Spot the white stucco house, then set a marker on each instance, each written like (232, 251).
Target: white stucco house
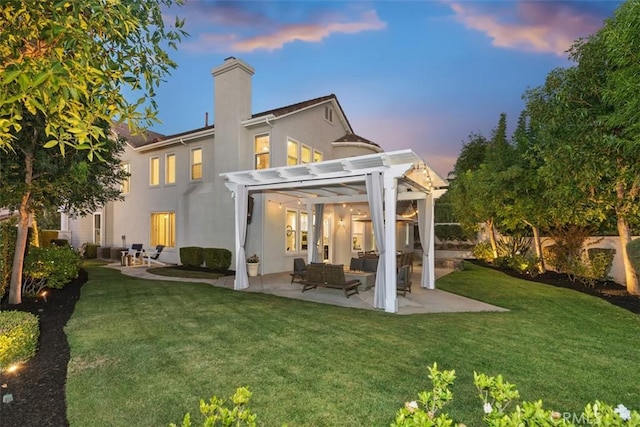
(283, 164)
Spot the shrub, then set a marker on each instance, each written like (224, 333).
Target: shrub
(8, 235)
(496, 396)
(19, 332)
(191, 256)
(217, 258)
(601, 260)
(215, 413)
(483, 251)
(52, 266)
(451, 233)
(510, 246)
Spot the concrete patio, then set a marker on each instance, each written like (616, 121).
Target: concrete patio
(420, 300)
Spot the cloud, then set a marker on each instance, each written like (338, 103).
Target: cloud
(534, 26)
(249, 26)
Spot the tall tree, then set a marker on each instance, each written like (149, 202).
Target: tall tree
(591, 143)
(63, 68)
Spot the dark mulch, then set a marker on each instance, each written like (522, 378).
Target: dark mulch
(38, 386)
(608, 290)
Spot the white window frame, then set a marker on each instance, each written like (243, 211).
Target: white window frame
(192, 164)
(291, 231)
(257, 154)
(317, 153)
(170, 241)
(296, 159)
(328, 113)
(154, 178)
(302, 148)
(125, 185)
(167, 172)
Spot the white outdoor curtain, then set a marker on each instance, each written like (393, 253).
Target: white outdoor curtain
(425, 228)
(316, 247)
(375, 194)
(241, 202)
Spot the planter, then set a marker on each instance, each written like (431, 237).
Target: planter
(252, 268)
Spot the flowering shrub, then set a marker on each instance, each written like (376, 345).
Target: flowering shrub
(52, 266)
(496, 395)
(215, 413)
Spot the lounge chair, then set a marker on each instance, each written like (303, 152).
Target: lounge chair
(135, 254)
(299, 269)
(153, 256)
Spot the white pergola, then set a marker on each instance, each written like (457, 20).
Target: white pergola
(380, 179)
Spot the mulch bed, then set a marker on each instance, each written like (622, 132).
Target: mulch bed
(38, 387)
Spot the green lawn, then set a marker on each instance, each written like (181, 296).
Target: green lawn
(144, 352)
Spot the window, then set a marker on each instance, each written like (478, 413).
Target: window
(357, 233)
(317, 156)
(305, 154)
(170, 169)
(292, 153)
(125, 185)
(261, 150)
(154, 171)
(328, 113)
(291, 228)
(97, 228)
(163, 229)
(304, 231)
(196, 163)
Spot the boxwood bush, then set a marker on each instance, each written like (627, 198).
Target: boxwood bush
(191, 256)
(52, 266)
(19, 332)
(217, 258)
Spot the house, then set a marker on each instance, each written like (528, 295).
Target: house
(178, 193)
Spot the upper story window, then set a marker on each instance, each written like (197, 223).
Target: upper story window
(125, 185)
(170, 169)
(328, 113)
(305, 154)
(292, 152)
(261, 150)
(154, 171)
(317, 156)
(196, 163)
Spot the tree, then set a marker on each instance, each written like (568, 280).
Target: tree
(590, 130)
(53, 181)
(68, 61)
(63, 68)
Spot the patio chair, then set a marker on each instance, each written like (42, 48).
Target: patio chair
(153, 256)
(403, 283)
(356, 264)
(136, 252)
(370, 265)
(299, 269)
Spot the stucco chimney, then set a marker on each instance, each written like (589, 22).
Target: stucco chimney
(232, 105)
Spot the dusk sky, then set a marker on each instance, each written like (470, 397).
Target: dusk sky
(417, 74)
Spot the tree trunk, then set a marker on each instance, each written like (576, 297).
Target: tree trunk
(538, 246)
(631, 277)
(15, 291)
(492, 238)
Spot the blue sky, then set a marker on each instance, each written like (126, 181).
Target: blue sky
(415, 74)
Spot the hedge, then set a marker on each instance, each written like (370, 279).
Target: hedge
(19, 332)
(217, 258)
(191, 256)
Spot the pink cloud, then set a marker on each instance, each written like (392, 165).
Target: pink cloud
(246, 31)
(309, 33)
(536, 26)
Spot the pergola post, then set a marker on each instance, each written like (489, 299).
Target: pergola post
(390, 260)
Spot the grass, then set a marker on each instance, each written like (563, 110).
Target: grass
(144, 352)
(184, 273)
